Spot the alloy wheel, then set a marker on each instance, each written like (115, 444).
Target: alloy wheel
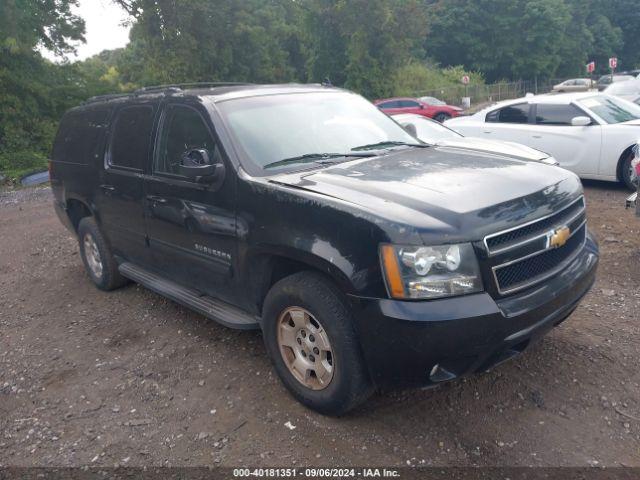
(305, 348)
(92, 254)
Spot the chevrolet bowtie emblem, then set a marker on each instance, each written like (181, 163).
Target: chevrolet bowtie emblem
(558, 237)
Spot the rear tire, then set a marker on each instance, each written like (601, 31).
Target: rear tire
(442, 117)
(305, 311)
(98, 260)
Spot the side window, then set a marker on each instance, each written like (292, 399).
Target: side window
(547, 114)
(392, 104)
(408, 104)
(512, 114)
(492, 117)
(183, 130)
(132, 137)
(81, 136)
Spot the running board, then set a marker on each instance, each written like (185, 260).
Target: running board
(221, 312)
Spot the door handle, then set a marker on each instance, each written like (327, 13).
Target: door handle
(155, 199)
(487, 131)
(108, 188)
(537, 136)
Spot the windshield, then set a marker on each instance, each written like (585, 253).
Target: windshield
(428, 131)
(299, 127)
(612, 109)
(624, 88)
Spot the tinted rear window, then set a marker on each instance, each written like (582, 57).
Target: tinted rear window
(512, 114)
(81, 136)
(132, 137)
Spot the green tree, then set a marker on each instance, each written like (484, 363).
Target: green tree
(200, 40)
(30, 99)
(501, 38)
(361, 43)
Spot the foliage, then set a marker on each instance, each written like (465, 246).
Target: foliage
(415, 78)
(361, 43)
(378, 48)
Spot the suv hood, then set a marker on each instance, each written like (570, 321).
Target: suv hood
(444, 189)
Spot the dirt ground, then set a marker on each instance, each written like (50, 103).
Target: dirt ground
(129, 378)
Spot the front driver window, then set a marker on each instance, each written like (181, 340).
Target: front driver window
(183, 131)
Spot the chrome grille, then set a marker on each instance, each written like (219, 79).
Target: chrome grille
(508, 239)
(526, 271)
(524, 256)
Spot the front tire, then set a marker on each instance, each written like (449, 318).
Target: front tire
(626, 171)
(96, 255)
(311, 340)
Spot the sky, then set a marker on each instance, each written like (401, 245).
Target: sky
(104, 29)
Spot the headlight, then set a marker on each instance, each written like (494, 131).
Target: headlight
(430, 272)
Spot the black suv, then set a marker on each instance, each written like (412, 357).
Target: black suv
(367, 258)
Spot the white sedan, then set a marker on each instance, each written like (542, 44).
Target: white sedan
(434, 133)
(591, 134)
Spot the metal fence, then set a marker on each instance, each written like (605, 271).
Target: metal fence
(482, 94)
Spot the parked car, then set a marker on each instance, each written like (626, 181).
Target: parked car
(440, 113)
(367, 258)
(432, 101)
(605, 80)
(574, 85)
(435, 133)
(591, 134)
(629, 90)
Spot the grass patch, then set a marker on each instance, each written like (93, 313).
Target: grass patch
(14, 166)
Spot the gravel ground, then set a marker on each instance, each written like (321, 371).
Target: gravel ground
(129, 378)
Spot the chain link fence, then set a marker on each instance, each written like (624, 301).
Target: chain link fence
(483, 94)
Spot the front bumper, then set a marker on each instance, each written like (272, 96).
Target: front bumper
(420, 343)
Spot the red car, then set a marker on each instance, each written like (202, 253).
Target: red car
(392, 106)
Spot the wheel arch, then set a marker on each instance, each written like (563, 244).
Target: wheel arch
(77, 209)
(266, 267)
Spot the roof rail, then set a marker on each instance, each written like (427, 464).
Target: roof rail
(162, 88)
(110, 96)
(182, 86)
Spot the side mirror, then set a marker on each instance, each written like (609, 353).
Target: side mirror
(421, 107)
(581, 121)
(196, 166)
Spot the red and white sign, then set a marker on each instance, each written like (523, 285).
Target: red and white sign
(613, 63)
(465, 79)
(591, 66)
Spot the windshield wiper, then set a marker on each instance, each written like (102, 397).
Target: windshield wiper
(389, 143)
(315, 158)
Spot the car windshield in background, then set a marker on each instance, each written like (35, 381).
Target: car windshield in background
(303, 127)
(611, 109)
(428, 130)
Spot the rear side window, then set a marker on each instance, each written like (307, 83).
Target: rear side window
(81, 136)
(556, 114)
(131, 137)
(512, 114)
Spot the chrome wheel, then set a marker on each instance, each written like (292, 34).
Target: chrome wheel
(92, 254)
(305, 348)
